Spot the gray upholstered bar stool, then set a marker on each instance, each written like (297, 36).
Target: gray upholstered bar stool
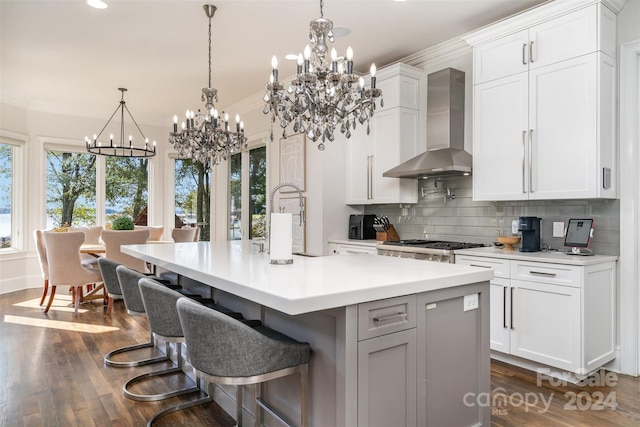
(127, 283)
(160, 306)
(225, 351)
(110, 278)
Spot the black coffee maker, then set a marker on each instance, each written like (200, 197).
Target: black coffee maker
(529, 226)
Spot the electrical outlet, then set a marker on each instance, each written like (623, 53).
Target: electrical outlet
(558, 229)
(470, 302)
(514, 226)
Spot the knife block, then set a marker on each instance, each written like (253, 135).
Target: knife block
(389, 235)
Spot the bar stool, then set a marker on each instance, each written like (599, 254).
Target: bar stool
(160, 306)
(110, 278)
(224, 351)
(128, 283)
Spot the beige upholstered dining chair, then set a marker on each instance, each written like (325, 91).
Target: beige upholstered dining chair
(65, 268)
(44, 265)
(113, 239)
(91, 237)
(185, 234)
(155, 231)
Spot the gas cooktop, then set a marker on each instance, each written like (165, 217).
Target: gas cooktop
(433, 244)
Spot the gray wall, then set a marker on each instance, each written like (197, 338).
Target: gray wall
(462, 219)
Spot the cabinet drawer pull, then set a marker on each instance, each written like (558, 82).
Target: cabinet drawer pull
(542, 273)
(531, 160)
(524, 47)
(504, 307)
(512, 327)
(531, 52)
(524, 150)
(481, 266)
(402, 316)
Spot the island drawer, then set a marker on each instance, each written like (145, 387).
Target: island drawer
(386, 316)
(500, 266)
(567, 275)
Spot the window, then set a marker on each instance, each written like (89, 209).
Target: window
(6, 192)
(247, 188)
(126, 192)
(71, 189)
(192, 196)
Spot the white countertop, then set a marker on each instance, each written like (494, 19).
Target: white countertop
(370, 243)
(542, 256)
(310, 283)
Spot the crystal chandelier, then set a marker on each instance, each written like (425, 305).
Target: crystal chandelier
(124, 149)
(206, 136)
(324, 95)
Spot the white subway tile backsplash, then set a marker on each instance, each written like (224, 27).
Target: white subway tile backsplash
(462, 219)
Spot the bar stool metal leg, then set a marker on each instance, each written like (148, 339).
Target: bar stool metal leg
(159, 396)
(127, 364)
(184, 405)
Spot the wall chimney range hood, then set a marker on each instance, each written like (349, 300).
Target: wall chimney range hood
(445, 155)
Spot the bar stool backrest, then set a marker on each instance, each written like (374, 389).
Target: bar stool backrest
(108, 270)
(221, 346)
(128, 279)
(160, 305)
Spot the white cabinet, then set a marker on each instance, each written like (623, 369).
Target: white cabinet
(557, 315)
(544, 126)
(393, 139)
(352, 249)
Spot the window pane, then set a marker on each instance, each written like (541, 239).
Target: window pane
(71, 189)
(126, 192)
(6, 192)
(235, 196)
(257, 191)
(192, 196)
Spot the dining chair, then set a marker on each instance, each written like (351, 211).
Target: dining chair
(42, 258)
(91, 237)
(155, 231)
(65, 267)
(185, 234)
(113, 239)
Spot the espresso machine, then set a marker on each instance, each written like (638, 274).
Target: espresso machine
(529, 226)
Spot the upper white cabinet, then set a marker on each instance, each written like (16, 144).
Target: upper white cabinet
(544, 105)
(393, 139)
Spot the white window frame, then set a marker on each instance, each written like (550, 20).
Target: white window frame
(18, 191)
(77, 146)
(220, 175)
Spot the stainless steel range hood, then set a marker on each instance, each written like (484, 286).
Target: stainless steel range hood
(445, 155)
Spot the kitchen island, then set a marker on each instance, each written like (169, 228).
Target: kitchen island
(394, 341)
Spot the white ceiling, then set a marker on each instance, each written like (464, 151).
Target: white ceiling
(62, 55)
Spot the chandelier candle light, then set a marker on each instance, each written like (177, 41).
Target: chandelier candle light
(206, 136)
(125, 148)
(324, 95)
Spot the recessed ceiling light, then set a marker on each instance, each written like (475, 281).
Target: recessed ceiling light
(98, 4)
(339, 31)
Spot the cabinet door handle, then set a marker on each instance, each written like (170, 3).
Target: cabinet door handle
(368, 177)
(524, 49)
(481, 266)
(524, 150)
(531, 52)
(542, 273)
(371, 176)
(512, 327)
(531, 160)
(402, 316)
(504, 307)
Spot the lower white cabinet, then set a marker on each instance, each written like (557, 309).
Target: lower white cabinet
(352, 249)
(558, 315)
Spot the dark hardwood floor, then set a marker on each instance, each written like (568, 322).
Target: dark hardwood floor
(52, 374)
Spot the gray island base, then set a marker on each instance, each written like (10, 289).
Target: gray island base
(394, 341)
